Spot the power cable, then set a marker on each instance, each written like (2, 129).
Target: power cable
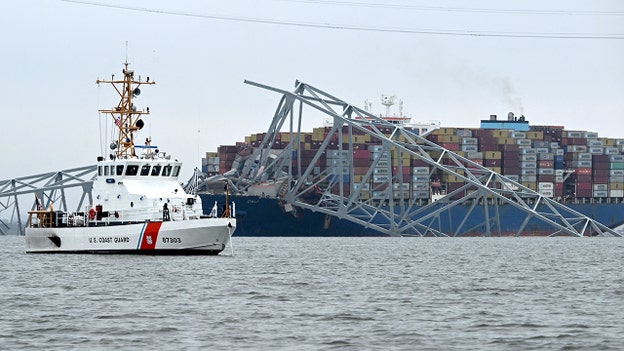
(542, 35)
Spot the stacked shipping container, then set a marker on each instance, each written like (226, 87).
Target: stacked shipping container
(556, 163)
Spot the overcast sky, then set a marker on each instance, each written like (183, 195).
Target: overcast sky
(199, 53)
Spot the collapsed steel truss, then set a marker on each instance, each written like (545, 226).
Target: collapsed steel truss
(393, 212)
(49, 188)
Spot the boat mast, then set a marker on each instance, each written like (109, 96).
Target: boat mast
(126, 116)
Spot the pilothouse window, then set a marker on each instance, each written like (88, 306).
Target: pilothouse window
(132, 170)
(145, 170)
(120, 169)
(156, 170)
(176, 171)
(166, 171)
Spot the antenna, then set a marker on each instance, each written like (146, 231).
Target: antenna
(126, 51)
(387, 101)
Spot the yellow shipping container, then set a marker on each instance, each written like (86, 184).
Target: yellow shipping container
(495, 169)
(535, 135)
(212, 154)
(253, 137)
(500, 133)
(446, 131)
(505, 141)
(608, 142)
(361, 139)
(451, 178)
(530, 185)
(365, 195)
(492, 155)
(448, 139)
(616, 186)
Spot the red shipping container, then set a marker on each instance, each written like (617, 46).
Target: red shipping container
(545, 164)
(450, 146)
(418, 163)
(488, 147)
(601, 179)
(492, 163)
(583, 171)
(477, 161)
(600, 165)
(509, 147)
(584, 193)
(601, 172)
(405, 170)
(546, 178)
(584, 186)
(600, 159)
(365, 154)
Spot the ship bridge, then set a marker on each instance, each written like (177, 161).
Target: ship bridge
(386, 176)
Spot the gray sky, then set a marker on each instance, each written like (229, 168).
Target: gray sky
(53, 51)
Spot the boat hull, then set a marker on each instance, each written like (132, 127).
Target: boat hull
(252, 212)
(201, 236)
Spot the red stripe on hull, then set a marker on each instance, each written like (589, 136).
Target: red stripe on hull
(150, 236)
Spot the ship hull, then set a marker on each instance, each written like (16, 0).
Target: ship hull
(201, 236)
(252, 213)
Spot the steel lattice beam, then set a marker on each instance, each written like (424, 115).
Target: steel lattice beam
(49, 187)
(393, 213)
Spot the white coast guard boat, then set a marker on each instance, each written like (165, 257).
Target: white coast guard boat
(138, 205)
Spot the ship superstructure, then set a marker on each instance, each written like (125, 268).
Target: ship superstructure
(137, 203)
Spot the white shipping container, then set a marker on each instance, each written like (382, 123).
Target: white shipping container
(596, 150)
(470, 141)
(616, 193)
(470, 148)
(545, 186)
(547, 193)
(601, 187)
(421, 186)
(611, 151)
(594, 143)
(529, 158)
(420, 170)
(398, 186)
(527, 151)
(421, 194)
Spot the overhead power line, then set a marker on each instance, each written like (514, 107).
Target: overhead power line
(461, 9)
(404, 30)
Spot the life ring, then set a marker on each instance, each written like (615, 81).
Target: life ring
(91, 213)
(174, 209)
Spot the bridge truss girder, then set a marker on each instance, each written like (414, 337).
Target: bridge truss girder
(50, 188)
(394, 213)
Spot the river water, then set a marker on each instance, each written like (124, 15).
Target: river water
(321, 294)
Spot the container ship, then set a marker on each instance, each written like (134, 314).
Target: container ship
(577, 168)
